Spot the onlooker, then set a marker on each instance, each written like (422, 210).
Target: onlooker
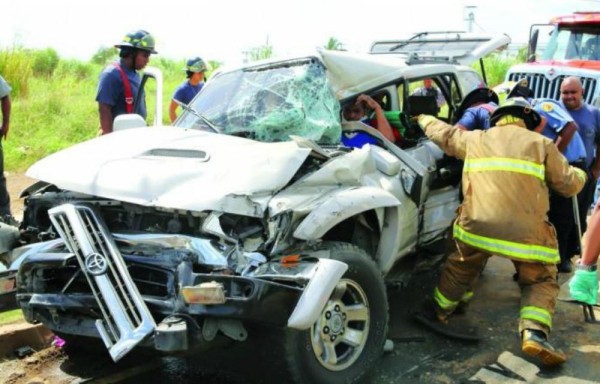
(358, 111)
(584, 284)
(476, 108)
(119, 84)
(428, 89)
(195, 68)
(5, 213)
(495, 218)
(587, 119)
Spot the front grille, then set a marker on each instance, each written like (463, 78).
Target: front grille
(150, 281)
(543, 87)
(125, 318)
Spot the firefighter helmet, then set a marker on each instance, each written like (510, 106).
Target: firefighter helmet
(139, 39)
(195, 64)
(517, 108)
(478, 95)
(510, 89)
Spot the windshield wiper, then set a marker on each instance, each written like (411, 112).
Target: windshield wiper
(205, 120)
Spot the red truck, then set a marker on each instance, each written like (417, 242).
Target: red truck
(572, 48)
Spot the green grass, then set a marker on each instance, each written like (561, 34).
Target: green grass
(13, 316)
(53, 112)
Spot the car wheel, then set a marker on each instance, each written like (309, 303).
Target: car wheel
(349, 335)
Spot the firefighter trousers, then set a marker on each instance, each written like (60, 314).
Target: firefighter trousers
(537, 281)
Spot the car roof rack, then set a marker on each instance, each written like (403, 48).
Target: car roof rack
(415, 58)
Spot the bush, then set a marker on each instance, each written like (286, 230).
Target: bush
(45, 62)
(15, 68)
(497, 64)
(104, 55)
(76, 68)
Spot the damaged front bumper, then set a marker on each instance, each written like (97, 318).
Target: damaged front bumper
(92, 288)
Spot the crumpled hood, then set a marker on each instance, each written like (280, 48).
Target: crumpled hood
(175, 168)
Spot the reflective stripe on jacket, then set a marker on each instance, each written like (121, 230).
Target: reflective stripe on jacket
(506, 177)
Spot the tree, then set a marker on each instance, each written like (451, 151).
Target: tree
(334, 44)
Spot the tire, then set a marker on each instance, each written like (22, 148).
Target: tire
(337, 349)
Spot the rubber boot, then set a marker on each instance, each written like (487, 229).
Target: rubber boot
(444, 324)
(536, 345)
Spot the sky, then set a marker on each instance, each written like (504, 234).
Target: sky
(222, 30)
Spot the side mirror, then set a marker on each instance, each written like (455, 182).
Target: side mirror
(531, 48)
(127, 121)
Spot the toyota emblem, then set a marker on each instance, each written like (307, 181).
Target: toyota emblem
(96, 264)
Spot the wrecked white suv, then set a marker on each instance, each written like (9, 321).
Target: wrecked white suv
(247, 210)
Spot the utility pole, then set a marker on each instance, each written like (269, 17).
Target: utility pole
(469, 12)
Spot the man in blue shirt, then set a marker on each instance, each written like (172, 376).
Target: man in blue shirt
(195, 68)
(475, 110)
(587, 119)
(119, 85)
(560, 128)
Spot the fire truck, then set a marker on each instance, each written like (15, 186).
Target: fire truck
(571, 48)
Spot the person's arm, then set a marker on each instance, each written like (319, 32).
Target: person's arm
(583, 286)
(467, 121)
(451, 139)
(565, 136)
(596, 164)
(591, 240)
(172, 110)
(6, 105)
(564, 179)
(106, 118)
(383, 125)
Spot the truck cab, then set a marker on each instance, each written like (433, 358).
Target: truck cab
(568, 46)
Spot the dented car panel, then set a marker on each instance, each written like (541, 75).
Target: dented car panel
(162, 168)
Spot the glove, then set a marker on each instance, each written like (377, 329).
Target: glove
(425, 120)
(584, 286)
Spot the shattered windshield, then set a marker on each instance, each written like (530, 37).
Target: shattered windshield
(269, 103)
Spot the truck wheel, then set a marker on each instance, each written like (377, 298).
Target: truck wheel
(348, 337)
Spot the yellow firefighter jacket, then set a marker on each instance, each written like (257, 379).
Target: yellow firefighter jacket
(506, 175)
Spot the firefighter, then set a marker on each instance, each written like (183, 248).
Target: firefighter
(119, 85)
(507, 171)
(476, 108)
(561, 128)
(510, 89)
(195, 69)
